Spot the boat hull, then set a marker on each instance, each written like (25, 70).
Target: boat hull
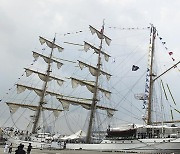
(168, 145)
(124, 133)
(35, 144)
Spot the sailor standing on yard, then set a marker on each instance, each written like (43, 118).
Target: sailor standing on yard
(29, 148)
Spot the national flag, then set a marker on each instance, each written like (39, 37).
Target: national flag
(135, 68)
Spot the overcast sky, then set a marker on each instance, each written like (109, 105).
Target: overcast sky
(22, 21)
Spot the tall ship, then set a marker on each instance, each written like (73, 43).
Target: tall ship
(35, 109)
(43, 109)
(152, 136)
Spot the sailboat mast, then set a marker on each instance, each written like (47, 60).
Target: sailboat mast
(151, 74)
(41, 102)
(94, 101)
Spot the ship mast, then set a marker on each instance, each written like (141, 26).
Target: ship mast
(151, 74)
(95, 94)
(41, 102)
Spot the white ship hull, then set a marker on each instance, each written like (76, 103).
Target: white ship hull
(35, 144)
(163, 145)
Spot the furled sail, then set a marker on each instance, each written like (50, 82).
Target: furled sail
(100, 35)
(66, 101)
(22, 88)
(50, 44)
(90, 86)
(93, 70)
(87, 46)
(43, 76)
(47, 59)
(14, 106)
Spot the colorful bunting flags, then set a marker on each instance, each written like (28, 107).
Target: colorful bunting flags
(164, 43)
(146, 89)
(132, 28)
(73, 33)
